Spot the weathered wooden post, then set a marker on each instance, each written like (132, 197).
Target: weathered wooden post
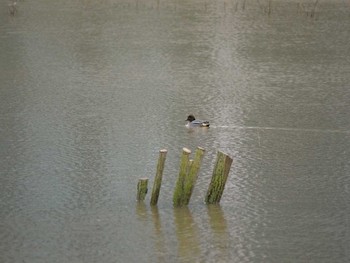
(190, 163)
(159, 175)
(192, 176)
(219, 177)
(142, 189)
(12, 8)
(179, 188)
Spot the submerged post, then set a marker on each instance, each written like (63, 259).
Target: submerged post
(179, 188)
(142, 189)
(219, 177)
(192, 176)
(159, 175)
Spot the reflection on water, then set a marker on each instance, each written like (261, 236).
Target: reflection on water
(161, 249)
(187, 236)
(92, 90)
(141, 211)
(220, 231)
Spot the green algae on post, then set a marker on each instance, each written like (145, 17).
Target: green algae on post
(179, 188)
(192, 176)
(219, 177)
(142, 189)
(159, 175)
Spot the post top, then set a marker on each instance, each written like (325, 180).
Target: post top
(186, 150)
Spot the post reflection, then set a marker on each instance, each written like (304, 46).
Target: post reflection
(220, 231)
(159, 240)
(141, 211)
(187, 235)
(184, 243)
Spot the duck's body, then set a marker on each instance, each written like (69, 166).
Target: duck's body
(192, 122)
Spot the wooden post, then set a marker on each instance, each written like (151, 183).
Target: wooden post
(179, 188)
(12, 8)
(190, 163)
(142, 189)
(192, 176)
(219, 177)
(159, 175)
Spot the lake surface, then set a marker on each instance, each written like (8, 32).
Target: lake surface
(92, 90)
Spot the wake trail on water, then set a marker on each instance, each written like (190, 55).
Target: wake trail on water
(281, 129)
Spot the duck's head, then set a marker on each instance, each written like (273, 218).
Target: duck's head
(190, 118)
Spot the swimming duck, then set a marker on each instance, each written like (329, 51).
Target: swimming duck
(192, 122)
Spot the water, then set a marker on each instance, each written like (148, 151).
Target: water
(92, 90)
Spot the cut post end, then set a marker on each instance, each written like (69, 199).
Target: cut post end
(186, 150)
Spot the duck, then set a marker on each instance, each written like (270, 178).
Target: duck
(192, 122)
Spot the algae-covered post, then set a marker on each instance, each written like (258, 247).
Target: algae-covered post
(159, 175)
(219, 177)
(179, 188)
(142, 189)
(192, 176)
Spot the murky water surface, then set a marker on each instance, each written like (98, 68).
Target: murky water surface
(92, 90)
